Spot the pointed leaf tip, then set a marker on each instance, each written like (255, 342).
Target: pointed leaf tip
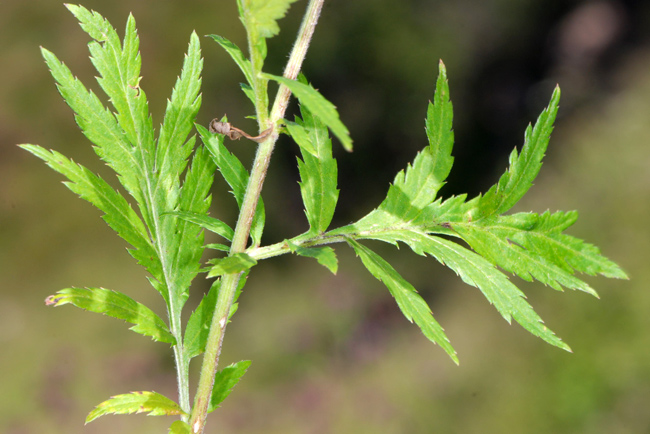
(318, 105)
(224, 382)
(524, 166)
(136, 402)
(116, 305)
(408, 300)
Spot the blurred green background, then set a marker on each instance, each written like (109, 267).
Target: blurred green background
(332, 354)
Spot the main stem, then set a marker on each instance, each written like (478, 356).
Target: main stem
(243, 227)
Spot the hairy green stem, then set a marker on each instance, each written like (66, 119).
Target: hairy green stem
(282, 248)
(182, 365)
(249, 204)
(338, 235)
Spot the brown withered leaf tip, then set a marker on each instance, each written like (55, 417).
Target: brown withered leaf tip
(52, 299)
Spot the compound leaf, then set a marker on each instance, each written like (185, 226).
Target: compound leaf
(529, 245)
(125, 140)
(136, 402)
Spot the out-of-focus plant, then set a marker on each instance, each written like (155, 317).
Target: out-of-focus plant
(169, 177)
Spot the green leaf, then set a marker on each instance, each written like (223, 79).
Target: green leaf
(318, 106)
(299, 135)
(136, 402)
(248, 91)
(416, 187)
(439, 132)
(116, 305)
(206, 222)
(240, 286)
(480, 273)
(318, 172)
(150, 173)
(118, 65)
(198, 326)
(237, 55)
(180, 427)
(324, 255)
(523, 170)
(150, 170)
(118, 213)
(91, 22)
(173, 149)
(235, 174)
(231, 264)
(185, 247)
(160, 166)
(261, 16)
(437, 217)
(219, 247)
(533, 247)
(100, 126)
(225, 380)
(409, 301)
(412, 190)
(530, 245)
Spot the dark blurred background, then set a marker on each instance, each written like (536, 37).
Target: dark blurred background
(332, 354)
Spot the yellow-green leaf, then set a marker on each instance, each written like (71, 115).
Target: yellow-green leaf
(117, 305)
(136, 402)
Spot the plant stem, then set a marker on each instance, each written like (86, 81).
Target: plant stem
(242, 229)
(297, 56)
(182, 365)
(282, 248)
